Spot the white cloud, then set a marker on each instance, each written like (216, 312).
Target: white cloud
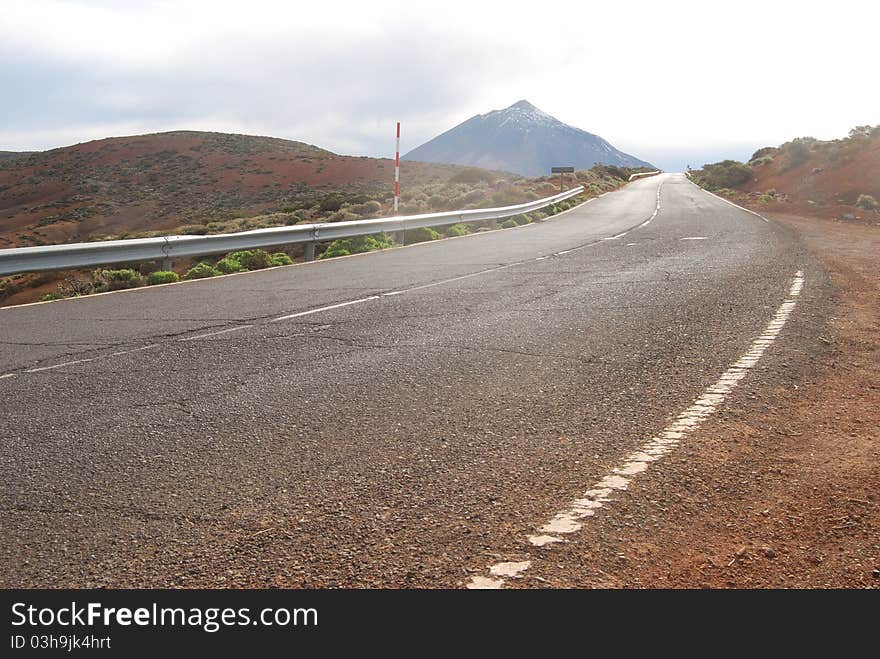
(650, 77)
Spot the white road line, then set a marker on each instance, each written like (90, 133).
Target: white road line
(126, 352)
(218, 333)
(570, 519)
(727, 201)
(49, 368)
(327, 308)
(693, 238)
(8, 375)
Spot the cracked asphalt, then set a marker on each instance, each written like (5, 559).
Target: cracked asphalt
(405, 441)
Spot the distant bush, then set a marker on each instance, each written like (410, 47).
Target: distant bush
(725, 174)
(473, 197)
(437, 202)
(192, 230)
(509, 196)
(162, 277)
(459, 229)
(796, 152)
(472, 175)
(48, 297)
(421, 235)
(867, 202)
(280, 258)
(613, 171)
(343, 215)
(116, 280)
(201, 271)
(763, 153)
(508, 224)
(331, 203)
(367, 208)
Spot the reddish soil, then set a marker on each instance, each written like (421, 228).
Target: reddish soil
(157, 182)
(782, 489)
(827, 184)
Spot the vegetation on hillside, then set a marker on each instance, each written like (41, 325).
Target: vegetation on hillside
(834, 178)
(448, 188)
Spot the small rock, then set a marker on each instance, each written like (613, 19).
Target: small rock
(875, 573)
(768, 553)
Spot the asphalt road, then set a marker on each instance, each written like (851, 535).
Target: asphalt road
(214, 433)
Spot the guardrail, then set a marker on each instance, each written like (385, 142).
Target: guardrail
(641, 174)
(166, 248)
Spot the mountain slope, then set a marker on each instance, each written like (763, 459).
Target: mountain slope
(520, 139)
(161, 181)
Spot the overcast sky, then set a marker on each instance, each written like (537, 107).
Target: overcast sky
(674, 83)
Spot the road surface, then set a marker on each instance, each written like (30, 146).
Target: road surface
(408, 418)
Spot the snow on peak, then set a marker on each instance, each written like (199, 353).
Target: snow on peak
(523, 113)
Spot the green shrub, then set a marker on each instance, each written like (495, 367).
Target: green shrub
(252, 259)
(162, 277)
(201, 271)
(334, 250)
(116, 280)
(508, 224)
(227, 265)
(48, 297)
(421, 235)
(280, 258)
(867, 202)
(358, 245)
(459, 229)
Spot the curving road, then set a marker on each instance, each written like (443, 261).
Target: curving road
(403, 418)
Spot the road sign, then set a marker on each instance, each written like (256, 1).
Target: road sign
(562, 171)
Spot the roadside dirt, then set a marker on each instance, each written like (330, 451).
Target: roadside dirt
(782, 488)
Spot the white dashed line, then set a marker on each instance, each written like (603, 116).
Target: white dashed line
(49, 368)
(327, 308)
(570, 519)
(218, 333)
(693, 238)
(8, 375)
(126, 352)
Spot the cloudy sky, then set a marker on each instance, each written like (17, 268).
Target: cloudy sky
(674, 83)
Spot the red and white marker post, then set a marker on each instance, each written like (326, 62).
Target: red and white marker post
(397, 170)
